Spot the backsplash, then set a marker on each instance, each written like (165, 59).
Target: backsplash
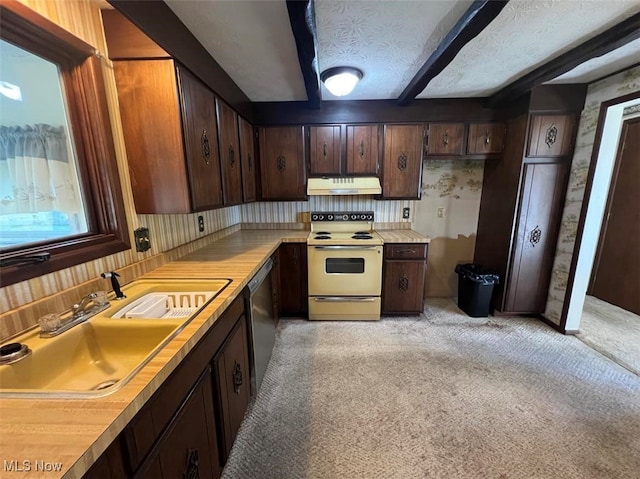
(298, 211)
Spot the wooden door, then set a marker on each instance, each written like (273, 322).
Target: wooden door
(324, 150)
(362, 150)
(282, 166)
(200, 141)
(551, 135)
(538, 221)
(293, 279)
(233, 382)
(402, 162)
(485, 138)
(230, 163)
(445, 139)
(248, 160)
(616, 273)
(403, 286)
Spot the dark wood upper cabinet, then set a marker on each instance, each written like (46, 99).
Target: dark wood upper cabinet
(402, 162)
(363, 149)
(324, 150)
(282, 165)
(485, 138)
(445, 139)
(551, 135)
(169, 124)
(248, 160)
(229, 144)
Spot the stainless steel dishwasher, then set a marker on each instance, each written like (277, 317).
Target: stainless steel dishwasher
(262, 324)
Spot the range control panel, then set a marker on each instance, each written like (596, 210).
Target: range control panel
(342, 216)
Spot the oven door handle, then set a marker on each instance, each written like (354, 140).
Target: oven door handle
(346, 247)
(344, 299)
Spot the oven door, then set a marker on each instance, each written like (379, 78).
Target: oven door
(345, 270)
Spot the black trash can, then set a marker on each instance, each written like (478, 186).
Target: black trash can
(475, 288)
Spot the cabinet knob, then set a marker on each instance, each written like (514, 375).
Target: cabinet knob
(237, 377)
(281, 163)
(445, 138)
(206, 148)
(403, 284)
(232, 155)
(486, 137)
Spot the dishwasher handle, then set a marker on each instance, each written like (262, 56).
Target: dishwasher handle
(260, 276)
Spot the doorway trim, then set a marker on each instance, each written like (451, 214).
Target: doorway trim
(570, 305)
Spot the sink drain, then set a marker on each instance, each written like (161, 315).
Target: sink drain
(104, 385)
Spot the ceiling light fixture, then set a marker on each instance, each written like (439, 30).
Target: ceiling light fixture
(341, 81)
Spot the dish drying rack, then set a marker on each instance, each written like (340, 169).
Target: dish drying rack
(165, 305)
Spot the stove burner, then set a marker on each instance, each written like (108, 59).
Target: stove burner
(322, 237)
(322, 233)
(362, 233)
(362, 236)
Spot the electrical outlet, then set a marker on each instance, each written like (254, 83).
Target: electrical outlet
(405, 213)
(440, 213)
(142, 240)
(200, 223)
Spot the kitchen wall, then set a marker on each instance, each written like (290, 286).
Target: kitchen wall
(607, 89)
(456, 187)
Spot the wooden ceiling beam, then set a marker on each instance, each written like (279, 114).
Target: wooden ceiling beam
(303, 25)
(480, 14)
(607, 41)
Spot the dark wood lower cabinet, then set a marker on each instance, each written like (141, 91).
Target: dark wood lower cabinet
(403, 278)
(294, 299)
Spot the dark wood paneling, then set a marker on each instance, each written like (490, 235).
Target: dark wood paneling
(362, 149)
(324, 150)
(125, 40)
(159, 22)
(551, 135)
(445, 139)
(402, 161)
(479, 14)
(302, 18)
(373, 111)
(282, 165)
(111, 465)
(230, 163)
(485, 138)
(248, 160)
(293, 279)
(615, 37)
(403, 286)
(565, 98)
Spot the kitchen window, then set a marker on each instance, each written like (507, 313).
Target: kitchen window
(60, 196)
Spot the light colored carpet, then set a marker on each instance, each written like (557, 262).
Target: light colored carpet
(438, 396)
(613, 331)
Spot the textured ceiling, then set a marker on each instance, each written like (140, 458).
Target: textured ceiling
(390, 40)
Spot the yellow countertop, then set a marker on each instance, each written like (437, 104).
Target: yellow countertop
(75, 432)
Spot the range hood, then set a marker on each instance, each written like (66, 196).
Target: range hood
(369, 185)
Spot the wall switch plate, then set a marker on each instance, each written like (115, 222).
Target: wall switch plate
(200, 223)
(440, 213)
(142, 240)
(405, 213)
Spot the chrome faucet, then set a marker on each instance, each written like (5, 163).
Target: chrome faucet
(55, 324)
(79, 309)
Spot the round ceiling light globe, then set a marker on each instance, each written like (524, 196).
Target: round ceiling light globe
(341, 81)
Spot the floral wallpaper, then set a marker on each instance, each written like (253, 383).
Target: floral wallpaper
(607, 89)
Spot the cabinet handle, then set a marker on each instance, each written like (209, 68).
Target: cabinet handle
(295, 255)
(193, 461)
(403, 251)
(535, 236)
(361, 152)
(232, 155)
(402, 162)
(486, 137)
(404, 283)
(281, 163)
(206, 148)
(250, 161)
(445, 138)
(324, 150)
(237, 377)
(552, 135)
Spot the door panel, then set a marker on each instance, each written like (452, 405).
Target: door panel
(248, 159)
(229, 154)
(324, 150)
(616, 274)
(282, 168)
(362, 150)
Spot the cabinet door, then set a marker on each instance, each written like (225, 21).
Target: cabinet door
(231, 366)
(324, 150)
(111, 465)
(200, 141)
(445, 139)
(402, 163)
(188, 448)
(362, 150)
(248, 160)
(485, 138)
(551, 135)
(541, 200)
(282, 166)
(293, 279)
(229, 154)
(403, 286)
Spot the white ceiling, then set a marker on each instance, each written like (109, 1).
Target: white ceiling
(390, 40)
